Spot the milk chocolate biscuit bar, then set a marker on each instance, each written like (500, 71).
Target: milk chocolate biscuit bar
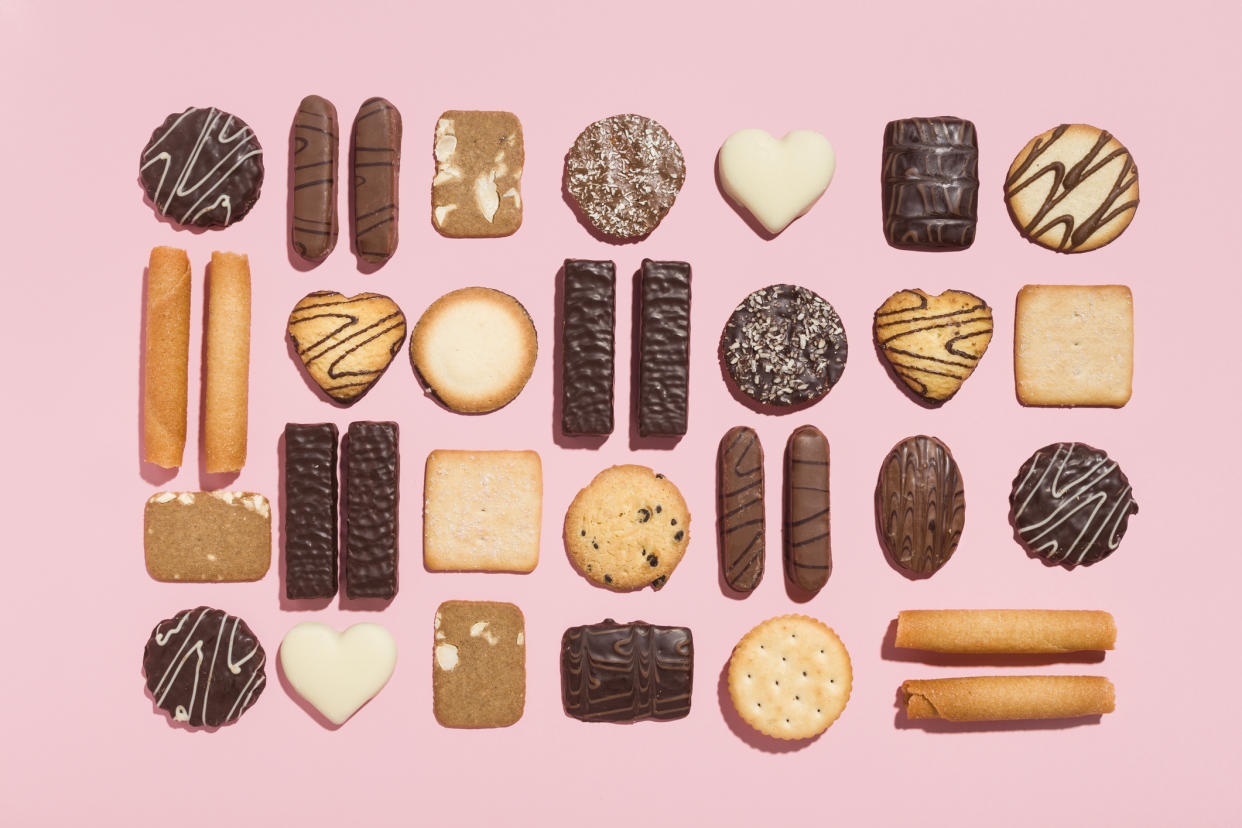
(664, 349)
(589, 312)
(614, 672)
(930, 183)
(739, 490)
(314, 158)
(371, 492)
(808, 542)
(376, 163)
(310, 510)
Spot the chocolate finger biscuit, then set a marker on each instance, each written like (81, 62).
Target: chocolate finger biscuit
(376, 163)
(371, 492)
(739, 489)
(310, 510)
(587, 347)
(313, 160)
(664, 349)
(808, 540)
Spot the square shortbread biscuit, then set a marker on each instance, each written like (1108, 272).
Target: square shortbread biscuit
(482, 510)
(477, 188)
(478, 664)
(1074, 345)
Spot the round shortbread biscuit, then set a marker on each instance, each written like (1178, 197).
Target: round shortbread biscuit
(474, 349)
(790, 677)
(1072, 189)
(628, 528)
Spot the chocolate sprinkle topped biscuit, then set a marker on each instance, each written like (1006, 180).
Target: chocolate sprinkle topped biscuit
(784, 345)
(625, 173)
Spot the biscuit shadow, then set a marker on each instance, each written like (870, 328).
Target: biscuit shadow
(288, 604)
(320, 719)
(296, 260)
(744, 214)
(753, 738)
(910, 393)
(562, 440)
(208, 481)
(889, 651)
(344, 602)
(750, 402)
(663, 442)
(576, 209)
(901, 722)
(150, 472)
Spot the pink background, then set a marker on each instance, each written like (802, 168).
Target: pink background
(83, 89)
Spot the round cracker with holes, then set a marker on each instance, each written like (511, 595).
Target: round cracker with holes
(790, 677)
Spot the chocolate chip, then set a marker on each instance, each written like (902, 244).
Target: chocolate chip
(584, 533)
(659, 477)
(653, 560)
(673, 522)
(659, 508)
(608, 579)
(644, 515)
(680, 534)
(594, 544)
(659, 582)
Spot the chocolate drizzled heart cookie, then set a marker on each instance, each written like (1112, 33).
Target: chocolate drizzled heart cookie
(933, 343)
(346, 343)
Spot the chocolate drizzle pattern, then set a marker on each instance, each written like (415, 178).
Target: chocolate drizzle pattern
(664, 349)
(930, 183)
(203, 167)
(808, 535)
(739, 490)
(589, 313)
(310, 510)
(204, 667)
(1070, 504)
(371, 493)
(376, 155)
(346, 343)
(920, 505)
(614, 672)
(313, 158)
(961, 336)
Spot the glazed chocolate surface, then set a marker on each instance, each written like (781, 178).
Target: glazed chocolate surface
(920, 505)
(376, 154)
(314, 158)
(784, 345)
(202, 167)
(930, 183)
(310, 510)
(204, 667)
(614, 672)
(588, 342)
(1070, 504)
(739, 492)
(808, 538)
(371, 494)
(664, 349)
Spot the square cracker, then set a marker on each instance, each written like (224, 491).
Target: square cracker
(482, 511)
(477, 189)
(478, 664)
(1074, 345)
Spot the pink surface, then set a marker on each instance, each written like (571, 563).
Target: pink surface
(84, 88)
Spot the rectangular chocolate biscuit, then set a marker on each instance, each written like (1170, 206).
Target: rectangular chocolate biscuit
(614, 672)
(372, 479)
(588, 342)
(310, 510)
(664, 349)
(930, 183)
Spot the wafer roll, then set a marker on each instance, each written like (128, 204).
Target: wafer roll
(1006, 631)
(166, 382)
(228, 362)
(1003, 698)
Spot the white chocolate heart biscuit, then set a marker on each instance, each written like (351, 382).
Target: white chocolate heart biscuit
(338, 672)
(776, 181)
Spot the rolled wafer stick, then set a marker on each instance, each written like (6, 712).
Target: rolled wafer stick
(166, 382)
(1004, 698)
(228, 362)
(1005, 631)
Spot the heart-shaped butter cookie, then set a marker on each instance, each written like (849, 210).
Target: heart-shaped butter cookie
(346, 343)
(776, 181)
(338, 672)
(933, 342)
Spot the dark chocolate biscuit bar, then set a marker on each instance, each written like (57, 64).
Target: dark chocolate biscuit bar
(664, 349)
(614, 672)
(376, 164)
(313, 158)
(310, 510)
(371, 490)
(589, 312)
(739, 490)
(930, 183)
(808, 541)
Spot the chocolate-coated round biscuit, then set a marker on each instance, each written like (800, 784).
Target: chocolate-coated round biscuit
(625, 173)
(1070, 504)
(202, 167)
(784, 345)
(204, 667)
(920, 505)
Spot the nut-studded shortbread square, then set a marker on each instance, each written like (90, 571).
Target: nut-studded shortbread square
(207, 536)
(477, 189)
(478, 664)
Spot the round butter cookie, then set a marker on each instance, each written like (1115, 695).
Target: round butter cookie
(628, 528)
(474, 349)
(790, 677)
(1072, 189)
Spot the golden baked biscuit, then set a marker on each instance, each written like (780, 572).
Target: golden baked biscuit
(477, 189)
(346, 343)
(933, 343)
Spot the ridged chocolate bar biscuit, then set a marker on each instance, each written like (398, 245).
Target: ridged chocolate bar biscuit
(372, 480)
(808, 542)
(930, 183)
(664, 355)
(588, 342)
(310, 510)
(614, 672)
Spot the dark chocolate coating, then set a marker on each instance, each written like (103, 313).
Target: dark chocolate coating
(310, 510)
(739, 494)
(1070, 504)
(808, 538)
(313, 159)
(202, 167)
(920, 505)
(614, 672)
(930, 183)
(784, 345)
(376, 163)
(664, 349)
(204, 667)
(587, 354)
(372, 478)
